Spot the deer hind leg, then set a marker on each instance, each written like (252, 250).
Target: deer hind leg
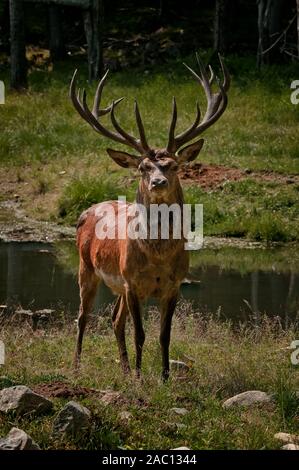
(167, 311)
(139, 336)
(119, 317)
(88, 283)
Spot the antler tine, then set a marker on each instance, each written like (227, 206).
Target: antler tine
(180, 138)
(171, 146)
(98, 95)
(141, 127)
(130, 139)
(212, 75)
(226, 75)
(216, 102)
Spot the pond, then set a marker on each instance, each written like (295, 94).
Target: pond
(233, 283)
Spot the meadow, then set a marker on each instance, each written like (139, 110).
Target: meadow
(224, 360)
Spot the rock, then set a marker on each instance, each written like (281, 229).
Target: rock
(125, 416)
(181, 448)
(73, 419)
(111, 397)
(249, 398)
(179, 411)
(287, 438)
(290, 447)
(178, 366)
(21, 400)
(17, 439)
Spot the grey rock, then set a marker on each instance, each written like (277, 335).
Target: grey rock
(287, 438)
(181, 448)
(125, 416)
(249, 398)
(21, 400)
(178, 366)
(179, 411)
(17, 439)
(290, 447)
(73, 419)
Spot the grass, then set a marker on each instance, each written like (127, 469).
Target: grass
(227, 360)
(263, 211)
(59, 166)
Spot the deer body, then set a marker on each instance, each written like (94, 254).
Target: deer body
(140, 268)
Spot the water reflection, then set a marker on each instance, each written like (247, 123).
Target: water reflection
(33, 276)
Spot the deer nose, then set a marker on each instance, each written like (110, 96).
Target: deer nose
(159, 182)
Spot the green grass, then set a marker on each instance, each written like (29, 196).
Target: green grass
(227, 360)
(46, 144)
(263, 211)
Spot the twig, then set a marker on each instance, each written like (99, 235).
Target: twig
(281, 35)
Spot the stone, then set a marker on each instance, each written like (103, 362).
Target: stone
(125, 415)
(21, 400)
(181, 448)
(17, 439)
(287, 438)
(178, 366)
(249, 398)
(179, 411)
(73, 419)
(111, 397)
(290, 447)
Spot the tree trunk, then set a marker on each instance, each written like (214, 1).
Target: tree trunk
(56, 43)
(298, 28)
(269, 28)
(18, 63)
(93, 25)
(220, 26)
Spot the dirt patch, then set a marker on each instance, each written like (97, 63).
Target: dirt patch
(64, 390)
(60, 389)
(214, 176)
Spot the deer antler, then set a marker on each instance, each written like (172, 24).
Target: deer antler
(216, 104)
(92, 117)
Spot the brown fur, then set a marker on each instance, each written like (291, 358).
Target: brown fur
(134, 269)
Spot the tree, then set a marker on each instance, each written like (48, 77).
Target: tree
(56, 43)
(298, 28)
(18, 75)
(220, 26)
(93, 25)
(269, 29)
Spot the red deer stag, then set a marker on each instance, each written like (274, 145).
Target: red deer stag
(138, 269)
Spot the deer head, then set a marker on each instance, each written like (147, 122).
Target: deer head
(158, 167)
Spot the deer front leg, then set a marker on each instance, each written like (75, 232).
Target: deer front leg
(119, 317)
(88, 284)
(167, 310)
(135, 311)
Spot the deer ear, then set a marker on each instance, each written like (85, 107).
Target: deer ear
(189, 153)
(124, 159)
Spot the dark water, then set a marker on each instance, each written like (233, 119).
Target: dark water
(32, 277)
